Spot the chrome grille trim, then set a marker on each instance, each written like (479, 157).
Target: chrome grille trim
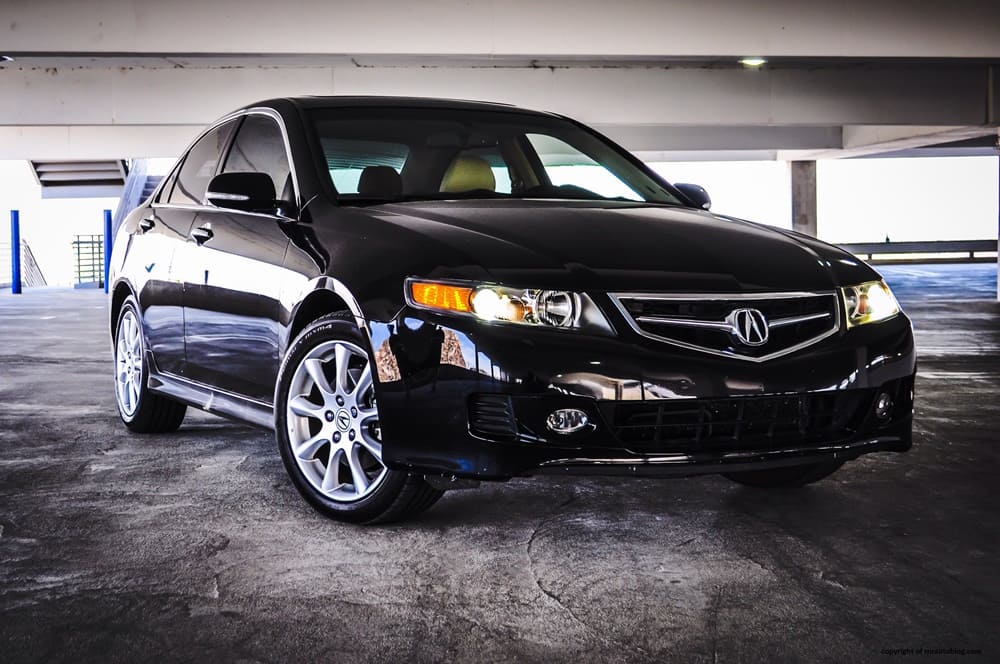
(616, 300)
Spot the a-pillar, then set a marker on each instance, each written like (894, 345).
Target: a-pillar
(804, 197)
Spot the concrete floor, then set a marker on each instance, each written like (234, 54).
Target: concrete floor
(194, 546)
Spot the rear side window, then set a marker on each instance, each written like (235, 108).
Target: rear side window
(260, 148)
(165, 190)
(199, 166)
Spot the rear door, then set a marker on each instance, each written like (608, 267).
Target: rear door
(231, 296)
(163, 234)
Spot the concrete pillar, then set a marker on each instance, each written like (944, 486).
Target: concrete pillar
(804, 197)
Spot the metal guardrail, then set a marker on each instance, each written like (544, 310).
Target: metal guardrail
(88, 268)
(31, 274)
(924, 252)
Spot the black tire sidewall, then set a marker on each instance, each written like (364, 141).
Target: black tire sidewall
(335, 327)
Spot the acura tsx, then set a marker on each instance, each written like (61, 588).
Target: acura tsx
(418, 294)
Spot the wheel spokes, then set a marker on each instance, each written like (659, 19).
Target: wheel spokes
(371, 443)
(364, 381)
(361, 480)
(330, 477)
(302, 407)
(331, 407)
(307, 449)
(342, 357)
(133, 393)
(128, 363)
(314, 367)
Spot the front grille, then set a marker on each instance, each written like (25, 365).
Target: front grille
(706, 322)
(737, 424)
(492, 416)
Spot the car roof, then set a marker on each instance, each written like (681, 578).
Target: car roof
(349, 101)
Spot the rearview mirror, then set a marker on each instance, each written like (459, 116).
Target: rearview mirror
(695, 193)
(252, 192)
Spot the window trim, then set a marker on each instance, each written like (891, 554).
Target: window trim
(224, 155)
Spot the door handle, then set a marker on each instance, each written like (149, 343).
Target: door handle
(146, 225)
(202, 234)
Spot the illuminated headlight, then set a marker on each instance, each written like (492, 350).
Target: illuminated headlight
(523, 306)
(869, 303)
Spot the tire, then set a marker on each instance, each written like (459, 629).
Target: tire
(785, 478)
(141, 410)
(325, 410)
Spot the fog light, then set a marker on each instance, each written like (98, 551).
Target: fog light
(568, 420)
(883, 406)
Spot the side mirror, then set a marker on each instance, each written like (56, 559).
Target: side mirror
(696, 194)
(251, 192)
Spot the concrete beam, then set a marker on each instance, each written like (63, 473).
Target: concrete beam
(497, 29)
(861, 141)
(58, 142)
(898, 94)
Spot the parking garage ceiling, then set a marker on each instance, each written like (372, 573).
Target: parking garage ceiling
(117, 78)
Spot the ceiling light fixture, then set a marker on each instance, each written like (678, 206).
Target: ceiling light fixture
(753, 62)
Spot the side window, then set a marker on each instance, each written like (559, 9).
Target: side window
(164, 194)
(199, 166)
(260, 148)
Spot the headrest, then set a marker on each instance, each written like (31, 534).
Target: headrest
(380, 182)
(468, 174)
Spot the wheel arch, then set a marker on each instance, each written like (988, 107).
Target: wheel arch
(118, 296)
(316, 304)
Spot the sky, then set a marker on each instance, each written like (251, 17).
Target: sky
(858, 200)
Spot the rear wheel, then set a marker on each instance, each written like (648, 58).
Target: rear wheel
(785, 478)
(327, 428)
(140, 410)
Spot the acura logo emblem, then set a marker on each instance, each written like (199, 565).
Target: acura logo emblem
(749, 326)
(343, 420)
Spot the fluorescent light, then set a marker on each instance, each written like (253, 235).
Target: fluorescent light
(6, 58)
(753, 62)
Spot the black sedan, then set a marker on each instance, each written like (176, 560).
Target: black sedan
(419, 294)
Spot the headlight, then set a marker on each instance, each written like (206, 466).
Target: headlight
(869, 303)
(523, 306)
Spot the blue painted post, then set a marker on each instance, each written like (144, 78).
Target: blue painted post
(107, 247)
(15, 252)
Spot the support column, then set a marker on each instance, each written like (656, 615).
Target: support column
(804, 197)
(15, 252)
(107, 247)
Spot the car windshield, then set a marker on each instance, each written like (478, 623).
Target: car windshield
(376, 155)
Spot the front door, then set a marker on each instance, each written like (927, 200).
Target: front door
(231, 292)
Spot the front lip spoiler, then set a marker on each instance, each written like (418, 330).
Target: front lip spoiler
(699, 464)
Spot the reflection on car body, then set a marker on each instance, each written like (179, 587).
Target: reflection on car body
(413, 293)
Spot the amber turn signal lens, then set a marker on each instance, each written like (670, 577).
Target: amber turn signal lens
(441, 296)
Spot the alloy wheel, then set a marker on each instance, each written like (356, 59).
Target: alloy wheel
(332, 421)
(128, 364)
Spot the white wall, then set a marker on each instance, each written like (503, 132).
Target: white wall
(861, 200)
(756, 190)
(48, 226)
(928, 198)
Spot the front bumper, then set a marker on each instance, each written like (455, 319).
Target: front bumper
(463, 398)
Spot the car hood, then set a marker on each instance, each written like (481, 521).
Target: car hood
(588, 245)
